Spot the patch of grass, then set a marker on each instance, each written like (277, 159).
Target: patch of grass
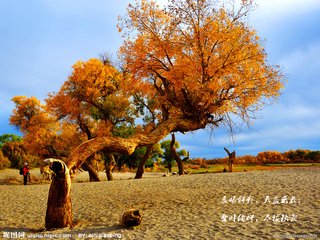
(293, 164)
(243, 167)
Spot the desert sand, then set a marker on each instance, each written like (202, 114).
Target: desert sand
(279, 204)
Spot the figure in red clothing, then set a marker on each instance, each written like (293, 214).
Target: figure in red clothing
(25, 173)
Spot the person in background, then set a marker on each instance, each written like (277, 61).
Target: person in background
(25, 173)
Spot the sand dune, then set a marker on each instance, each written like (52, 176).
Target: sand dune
(280, 204)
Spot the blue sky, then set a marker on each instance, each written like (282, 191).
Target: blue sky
(42, 39)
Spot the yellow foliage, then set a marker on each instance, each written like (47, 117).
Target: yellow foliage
(4, 161)
(94, 97)
(197, 61)
(270, 157)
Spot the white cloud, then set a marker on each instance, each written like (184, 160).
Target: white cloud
(301, 67)
(283, 7)
(290, 113)
(282, 133)
(274, 14)
(290, 127)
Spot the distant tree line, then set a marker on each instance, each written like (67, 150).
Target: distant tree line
(269, 157)
(13, 153)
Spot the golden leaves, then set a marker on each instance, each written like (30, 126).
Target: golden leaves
(95, 97)
(28, 112)
(92, 79)
(206, 62)
(35, 122)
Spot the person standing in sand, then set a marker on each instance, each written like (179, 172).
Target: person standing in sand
(25, 173)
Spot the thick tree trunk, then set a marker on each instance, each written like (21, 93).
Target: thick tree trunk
(175, 154)
(230, 167)
(232, 157)
(59, 207)
(180, 166)
(109, 174)
(109, 164)
(93, 174)
(143, 161)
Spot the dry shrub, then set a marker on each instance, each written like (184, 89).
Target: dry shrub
(204, 164)
(212, 161)
(12, 180)
(195, 167)
(186, 166)
(197, 161)
(158, 167)
(201, 162)
(124, 168)
(34, 179)
(148, 169)
(4, 161)
(270, 157)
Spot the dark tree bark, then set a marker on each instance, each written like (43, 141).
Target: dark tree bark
(232, 157)
(93, 174)
(128, 145)
(143, 161)
(109, 164)
(59, 207)
(169, 166)
(175, 154)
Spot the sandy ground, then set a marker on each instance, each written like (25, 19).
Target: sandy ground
(279, 204)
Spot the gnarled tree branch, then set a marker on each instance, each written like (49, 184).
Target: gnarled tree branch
(128, 145)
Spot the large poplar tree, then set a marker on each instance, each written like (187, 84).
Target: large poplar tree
(199, 61)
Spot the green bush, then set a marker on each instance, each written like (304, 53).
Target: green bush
(17, 155)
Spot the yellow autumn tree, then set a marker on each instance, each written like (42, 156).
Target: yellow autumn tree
(43, 135)
(38, 127)
(199, 59)
(271, 157)
(92, 98)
